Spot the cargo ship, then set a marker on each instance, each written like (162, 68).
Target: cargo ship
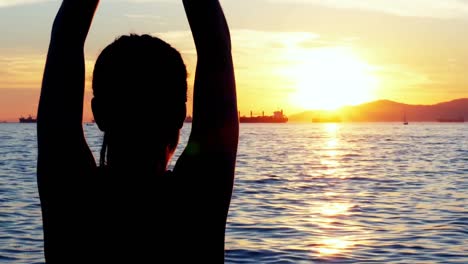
(277, 117)
(28, 119)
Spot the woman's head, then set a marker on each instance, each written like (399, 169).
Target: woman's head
(142, 80)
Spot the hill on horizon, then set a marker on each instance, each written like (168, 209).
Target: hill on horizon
(388, 111)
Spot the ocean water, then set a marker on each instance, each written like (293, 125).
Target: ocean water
(304, 193)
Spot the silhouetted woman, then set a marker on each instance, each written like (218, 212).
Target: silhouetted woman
(130, 209)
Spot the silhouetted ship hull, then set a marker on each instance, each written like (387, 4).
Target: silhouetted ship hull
(257, 119)
(451, 120)
(261, 119)
(278, 117)
(27, 120)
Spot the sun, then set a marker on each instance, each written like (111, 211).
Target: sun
(329, 78)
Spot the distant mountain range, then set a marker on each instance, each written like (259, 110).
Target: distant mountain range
(389, 111)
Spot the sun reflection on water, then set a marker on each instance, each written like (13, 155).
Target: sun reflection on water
(332, 128)
(331, 214)
(330, 242)
(333, 246)
(330, 152)
(332, 143)
(335, 209)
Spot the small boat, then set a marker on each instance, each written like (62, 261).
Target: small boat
(405, 121)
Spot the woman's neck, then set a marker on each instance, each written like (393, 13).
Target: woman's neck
(136, 161)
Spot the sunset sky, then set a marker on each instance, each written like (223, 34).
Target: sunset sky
(289, 54)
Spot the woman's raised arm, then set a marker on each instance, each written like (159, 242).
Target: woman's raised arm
(63, 155)
(208, 162)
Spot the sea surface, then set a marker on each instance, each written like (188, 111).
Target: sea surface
(304, 193)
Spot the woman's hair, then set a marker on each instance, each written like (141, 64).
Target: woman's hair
(142, 79)
(144, 75)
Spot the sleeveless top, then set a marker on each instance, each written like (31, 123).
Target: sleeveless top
(119, 219)
(131, 221)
